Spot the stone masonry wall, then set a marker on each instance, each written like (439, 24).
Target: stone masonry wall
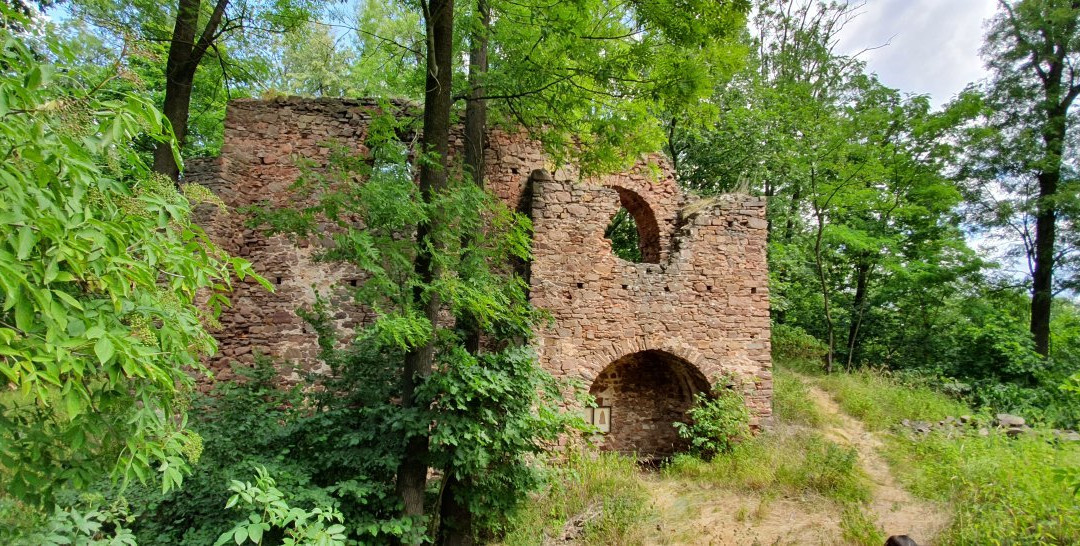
(698, 306)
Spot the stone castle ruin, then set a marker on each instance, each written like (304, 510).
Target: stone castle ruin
(645, 337)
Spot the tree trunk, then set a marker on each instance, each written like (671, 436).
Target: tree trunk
(858, 307)
(1042, 291)
(179, 77)
(439, 19)
(455, 519)
(824, 292)
(185, 53)
(476, 129)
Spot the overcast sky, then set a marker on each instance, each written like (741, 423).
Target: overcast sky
(933, 45)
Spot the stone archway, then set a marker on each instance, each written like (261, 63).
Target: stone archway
(639, 397)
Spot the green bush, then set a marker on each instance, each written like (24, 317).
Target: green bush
(717, 422)
(792, 343)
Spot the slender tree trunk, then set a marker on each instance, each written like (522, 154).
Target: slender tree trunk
(439, 18)
(185, 53)
(456, 520)
(819, 215)
(793, 211)
(858, 307)
(824, 292)
(178, 81)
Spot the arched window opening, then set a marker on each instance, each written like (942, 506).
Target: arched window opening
(623, 234)
(633, 232)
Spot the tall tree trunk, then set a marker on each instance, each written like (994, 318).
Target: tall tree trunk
(439, 19)
(185, 53)
(819, 215)
(1042, 289)
(858, 307)
(456, 520)
(818, 260)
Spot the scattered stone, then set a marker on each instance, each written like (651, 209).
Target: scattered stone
(1013, 432)
(1009, 420)
(984, 431)
(1066, 435)
(965, 419)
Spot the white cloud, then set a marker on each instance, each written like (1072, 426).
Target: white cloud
(933, 45)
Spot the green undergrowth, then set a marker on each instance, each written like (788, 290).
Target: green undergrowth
(792, 458)
(791, 461)
(881, 402)
(792, 403)
(1002, 490)
(593, 498)
(604, 498)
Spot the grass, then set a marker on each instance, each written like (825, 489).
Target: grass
(595, 498)
(792, 403)
(791, 459)
(605, 499)
(860, 528)
(881, 402)
(1002, 490)
(793, 462)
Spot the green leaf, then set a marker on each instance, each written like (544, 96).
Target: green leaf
(73, 403)
(104, 349)
(240, 535)
(255, 532)
(25, 243)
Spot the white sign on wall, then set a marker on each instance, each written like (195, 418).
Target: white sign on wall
(600, 417)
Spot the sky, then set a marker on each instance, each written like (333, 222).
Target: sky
(930, 46)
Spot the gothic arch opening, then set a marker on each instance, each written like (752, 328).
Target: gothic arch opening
(639, 397)
(634, 225)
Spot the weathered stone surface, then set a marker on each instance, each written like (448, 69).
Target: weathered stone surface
(1008, 420)
(650, 334)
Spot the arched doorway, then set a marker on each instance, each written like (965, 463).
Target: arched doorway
(639, 398)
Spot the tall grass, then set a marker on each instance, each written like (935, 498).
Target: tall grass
(791, 458)
(882, 402)
(593, 498)
(792, 403)
(793, 462)
(1002, 490)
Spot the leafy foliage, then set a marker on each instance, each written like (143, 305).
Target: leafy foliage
(469, 396)
(316, 527)
(623, 234)
(718, 421)
(106, 283)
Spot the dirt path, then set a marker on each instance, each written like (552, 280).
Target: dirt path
(897, 511)
(701, 513)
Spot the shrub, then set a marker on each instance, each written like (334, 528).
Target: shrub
(717, 422)
(793, 343)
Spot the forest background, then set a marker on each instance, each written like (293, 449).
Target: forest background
(874, 199)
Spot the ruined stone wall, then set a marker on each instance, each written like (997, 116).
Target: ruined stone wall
(705, 303)
(700, 301)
